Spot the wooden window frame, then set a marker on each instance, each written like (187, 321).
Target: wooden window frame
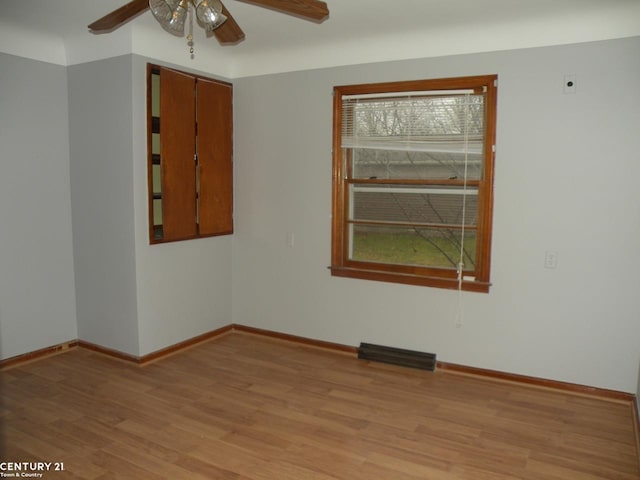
(343, 266)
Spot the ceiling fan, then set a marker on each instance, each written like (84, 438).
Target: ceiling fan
(211, 15)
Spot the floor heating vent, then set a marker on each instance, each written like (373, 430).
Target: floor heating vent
(397, 356)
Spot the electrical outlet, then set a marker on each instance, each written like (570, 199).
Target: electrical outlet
(550, 259)
(291, 239)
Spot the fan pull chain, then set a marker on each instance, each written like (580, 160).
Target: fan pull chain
(190, 36)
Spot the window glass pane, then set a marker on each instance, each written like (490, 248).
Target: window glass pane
(434, 205)
(394, 164)
(432, 247)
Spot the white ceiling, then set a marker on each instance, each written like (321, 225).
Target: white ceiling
(357, 31)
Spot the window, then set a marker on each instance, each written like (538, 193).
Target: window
(190, 147)
(413, 181)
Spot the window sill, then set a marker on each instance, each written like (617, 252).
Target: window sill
(408, 279)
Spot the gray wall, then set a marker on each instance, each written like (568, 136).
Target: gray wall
(101, 138)
(566, 181)
(37, 300)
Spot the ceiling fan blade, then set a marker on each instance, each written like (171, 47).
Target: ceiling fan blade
(229, 31)
(118, 17)
(310, 9)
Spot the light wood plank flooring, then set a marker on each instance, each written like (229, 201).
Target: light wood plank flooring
(244, 407)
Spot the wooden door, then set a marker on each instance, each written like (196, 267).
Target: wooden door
(215, 151)
(177, 155)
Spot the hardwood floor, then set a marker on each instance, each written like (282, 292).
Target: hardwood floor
(245, 407)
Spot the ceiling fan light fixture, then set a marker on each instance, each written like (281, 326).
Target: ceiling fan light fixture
(171, 14)
(209, 13)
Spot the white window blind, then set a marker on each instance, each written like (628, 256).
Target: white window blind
(437, 122)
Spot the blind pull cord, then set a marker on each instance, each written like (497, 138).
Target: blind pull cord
(464, 212)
